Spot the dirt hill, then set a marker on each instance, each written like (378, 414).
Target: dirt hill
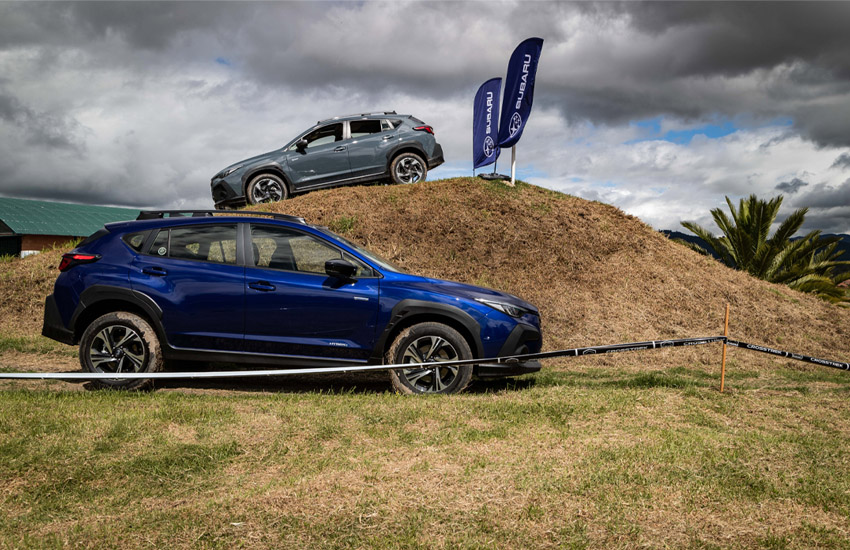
(597, 275)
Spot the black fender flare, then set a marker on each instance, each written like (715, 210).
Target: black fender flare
(395, 151)
(407, 309)
(100, 293)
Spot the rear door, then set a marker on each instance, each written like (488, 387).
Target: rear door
(371, 140)
(192, 273)
(294, 308)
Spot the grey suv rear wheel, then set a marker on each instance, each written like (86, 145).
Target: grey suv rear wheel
(408, 168)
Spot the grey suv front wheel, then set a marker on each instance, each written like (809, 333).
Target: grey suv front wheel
(266, 188)
(408, 168)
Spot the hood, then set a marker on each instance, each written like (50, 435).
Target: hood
(246, 162)
(472, 292)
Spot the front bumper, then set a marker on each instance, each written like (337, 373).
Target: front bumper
(523, 339)
(53, 327)
(225, 195)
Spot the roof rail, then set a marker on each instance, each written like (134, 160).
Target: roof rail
(157, 214)
(359, 114)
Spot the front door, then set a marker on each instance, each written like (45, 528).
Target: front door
(325, 159)
(294, 308)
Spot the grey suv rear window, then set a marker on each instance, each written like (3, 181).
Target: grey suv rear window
(361, 128)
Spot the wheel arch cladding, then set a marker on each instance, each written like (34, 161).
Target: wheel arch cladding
(263, 170)
(99, 300)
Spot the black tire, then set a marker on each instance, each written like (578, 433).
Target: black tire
(408, 168)
(120, 342)
(415, 344)
(266, 188)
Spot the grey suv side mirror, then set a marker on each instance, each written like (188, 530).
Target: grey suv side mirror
(341, 269)
(301, 144)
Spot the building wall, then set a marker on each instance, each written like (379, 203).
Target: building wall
(31, 244)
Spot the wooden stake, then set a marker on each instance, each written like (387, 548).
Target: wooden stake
(723, 366)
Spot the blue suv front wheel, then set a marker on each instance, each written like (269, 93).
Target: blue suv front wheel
(433, 344)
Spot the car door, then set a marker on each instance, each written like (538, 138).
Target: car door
(294, 308)
(192, 273)
(371, 140)
(323, 160)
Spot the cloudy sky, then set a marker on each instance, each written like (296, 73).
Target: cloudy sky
(658, 108)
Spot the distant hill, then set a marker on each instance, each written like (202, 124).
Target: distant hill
(843, 245)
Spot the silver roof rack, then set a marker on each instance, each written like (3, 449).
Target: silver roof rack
(359, 114)
(158, 214)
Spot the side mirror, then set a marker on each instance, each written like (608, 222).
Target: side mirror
(341, 269)
(301, 144)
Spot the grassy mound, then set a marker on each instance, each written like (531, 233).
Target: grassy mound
(597, 274)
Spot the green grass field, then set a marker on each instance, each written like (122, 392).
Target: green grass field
(575, 457)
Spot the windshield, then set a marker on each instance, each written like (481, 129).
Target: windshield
(368, 254)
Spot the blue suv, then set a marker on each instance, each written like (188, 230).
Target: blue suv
(260, 288)
(337, 151)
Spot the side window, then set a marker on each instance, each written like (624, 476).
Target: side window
(362, 128)
(135, 240)
(395, 123)
(324, 135)
(206, 243)
(386, 125)
(280, 248)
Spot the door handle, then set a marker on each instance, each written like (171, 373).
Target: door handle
(387, 138)
(154, 270)
(339, 149)
(263, 286)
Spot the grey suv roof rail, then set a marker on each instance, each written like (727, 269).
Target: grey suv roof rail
(359, 114)
(157, 214)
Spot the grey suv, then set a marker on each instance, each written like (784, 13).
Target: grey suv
(337, 151)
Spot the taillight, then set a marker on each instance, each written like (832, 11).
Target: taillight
(70, 259)
(428, 129)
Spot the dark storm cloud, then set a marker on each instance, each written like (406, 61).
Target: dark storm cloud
(40, 129)
(843, 161)
(827, 196)
(791, 186)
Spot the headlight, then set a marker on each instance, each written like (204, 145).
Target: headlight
(227, 171)
(508, 309)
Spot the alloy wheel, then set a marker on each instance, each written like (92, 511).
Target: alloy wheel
(266, 190)
(433, 378)
(409, 170)
(117, 348)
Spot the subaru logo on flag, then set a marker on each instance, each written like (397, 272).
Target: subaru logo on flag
(516, 124)
(489, 146)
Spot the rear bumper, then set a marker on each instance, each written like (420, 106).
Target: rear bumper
(53, 327)
(437, 158)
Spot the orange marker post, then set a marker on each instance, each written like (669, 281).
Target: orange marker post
(723, 365)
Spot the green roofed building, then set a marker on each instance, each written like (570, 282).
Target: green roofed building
(28, 226)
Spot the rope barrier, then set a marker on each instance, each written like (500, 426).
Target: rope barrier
(506, 360)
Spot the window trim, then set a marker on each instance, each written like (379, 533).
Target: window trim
(247, 244)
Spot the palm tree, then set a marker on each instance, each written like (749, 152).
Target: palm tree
(807, 264)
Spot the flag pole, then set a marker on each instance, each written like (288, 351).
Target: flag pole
(513, 165)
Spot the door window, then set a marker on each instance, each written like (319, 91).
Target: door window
(281, 248)
(363, 128)
(324, 135)
(206, 243)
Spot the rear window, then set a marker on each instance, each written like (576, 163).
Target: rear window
(205, 243)
(135, 240)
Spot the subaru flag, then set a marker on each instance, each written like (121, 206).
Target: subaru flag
(485, 120)
(519, 90)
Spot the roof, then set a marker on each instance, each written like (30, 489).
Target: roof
(28, 217)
